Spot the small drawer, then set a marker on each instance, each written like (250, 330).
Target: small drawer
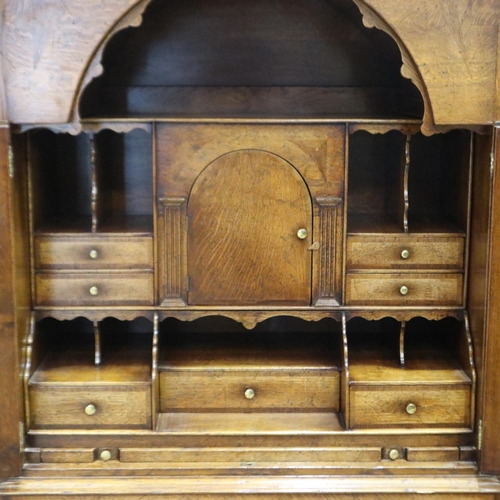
(93, 252)
(249, 390)
(410, 406)
(404, 252)
(118, 407)
(58, 289)
(403, 289)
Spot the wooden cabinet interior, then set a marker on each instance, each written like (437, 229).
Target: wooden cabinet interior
(251, 259)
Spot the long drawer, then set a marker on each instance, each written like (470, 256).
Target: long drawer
(93, 252)
(250, 390)
(404, 289)
(66, 289)
(405, 252)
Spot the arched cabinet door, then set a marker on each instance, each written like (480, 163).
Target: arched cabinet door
(250, 225)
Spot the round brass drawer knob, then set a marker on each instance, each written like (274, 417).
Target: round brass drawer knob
(403, 290)
(394, 454)
(105, 455)
(90, 409)
(93, 290)
(405, 254)
(249, 393)
(302, 234)
(411, 409)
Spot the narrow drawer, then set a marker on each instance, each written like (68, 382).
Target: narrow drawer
(118, 407)
(388, 406)
(182, 390)
(59, 289)
(404, 289)
(93, 252)
(405, 252)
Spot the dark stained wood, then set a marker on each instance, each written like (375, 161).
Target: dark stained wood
(244, 214)
(10, 388)
(478, 268)
(490, 453)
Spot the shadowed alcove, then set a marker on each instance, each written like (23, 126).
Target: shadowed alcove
(259, 59)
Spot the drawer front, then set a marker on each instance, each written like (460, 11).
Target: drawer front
(404, 289)
(404, 252)
(120, 407)
(435, 406)
(94, 289)
(181, 390)
(95, 252)
(386, 406)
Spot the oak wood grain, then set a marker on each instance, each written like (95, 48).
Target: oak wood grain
(425, 252)
(66, 289)
(244, 213)
(109, 252)
(430, 289)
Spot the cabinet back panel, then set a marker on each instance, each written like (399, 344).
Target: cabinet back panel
(438, 180)
(376, 167)
(61, 177)
(126, 181)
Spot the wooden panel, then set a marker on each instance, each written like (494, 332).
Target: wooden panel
(119, 407)
(385, 406)
(251, 102)
(244, 213)
(111, 252)
(477, 296)
(112, 289)
(361, 487)
(490, 453)
(425, 252)
(427, 290)
(316, 151)
(432, 454)
(281, 390)
(172, 229)
(119, 367)
(59, 456)
(308, 423)
(327, 262)
(263, 454)
(10, 387)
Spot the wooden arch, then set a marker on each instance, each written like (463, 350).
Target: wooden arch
(371, 19)
(449, 50)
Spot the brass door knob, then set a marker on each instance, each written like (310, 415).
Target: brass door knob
(93, 290)
(90, 409)
(93, 254)
(394, 454)
(105, 455)
(249, 393)
(302, 234)
(405, 254)
(411, 408)
(403, 290)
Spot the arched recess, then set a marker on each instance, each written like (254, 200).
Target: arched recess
(371, 18)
